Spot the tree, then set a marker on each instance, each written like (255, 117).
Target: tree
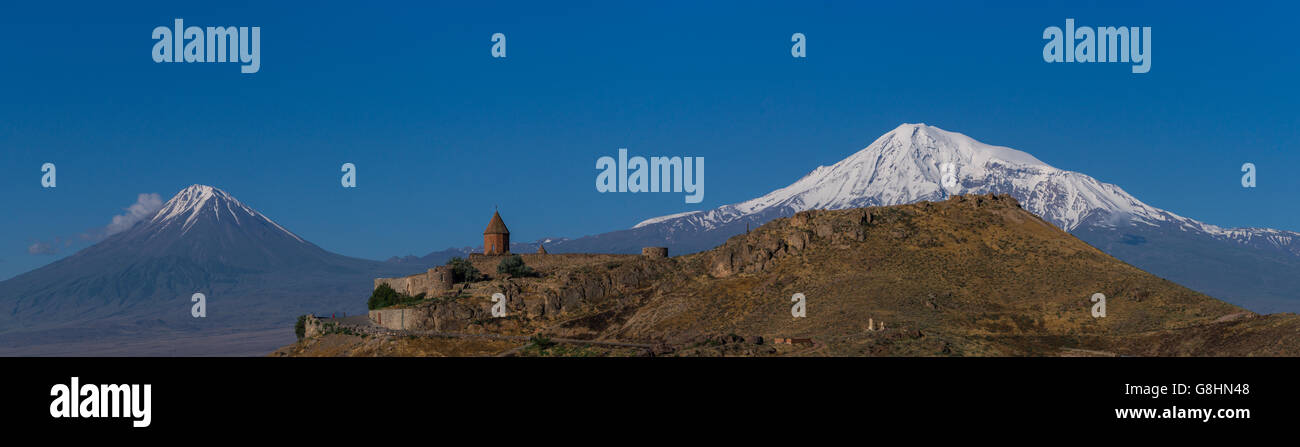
(383, 296)
(514, 266)
(300, 328)
(463, 271)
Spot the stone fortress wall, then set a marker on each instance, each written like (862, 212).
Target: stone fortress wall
(395, 319)
(541, 262)
(435, 281)
(438, 280)
(472, 303)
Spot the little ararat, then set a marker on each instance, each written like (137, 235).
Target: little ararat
(658, 174)
(217, 44)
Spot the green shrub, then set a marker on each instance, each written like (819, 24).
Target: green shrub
(514, 266)
(300, 328)
(383, 296)
(464, 271)
(539, 342)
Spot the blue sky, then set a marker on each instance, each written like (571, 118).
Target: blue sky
(441, 132)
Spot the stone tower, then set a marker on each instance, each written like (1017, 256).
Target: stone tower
(496, 238)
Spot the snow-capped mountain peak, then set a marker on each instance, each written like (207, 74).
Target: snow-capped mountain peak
(906, 165)
(902, 166)
(1253, 267)
(191, 204)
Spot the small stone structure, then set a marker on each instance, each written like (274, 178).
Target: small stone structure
(655, 252)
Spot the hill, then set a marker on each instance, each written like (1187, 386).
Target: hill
(1256, 268)
(971, 275)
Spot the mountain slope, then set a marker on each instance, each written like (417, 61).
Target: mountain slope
(974, 275)
(906, 166)
(253, 272)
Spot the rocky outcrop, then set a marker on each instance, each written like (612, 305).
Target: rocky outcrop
(571, 290)
(756, 251)
(981, 200)
(311, 326)
(441, 315)
(599, 284)
(655, 252)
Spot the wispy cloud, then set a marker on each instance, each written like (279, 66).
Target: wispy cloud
(47, 248)
(40, 248)
(144, 207)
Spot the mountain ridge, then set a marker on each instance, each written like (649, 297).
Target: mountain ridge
(973, 275)
(905, 165)
(974, 162)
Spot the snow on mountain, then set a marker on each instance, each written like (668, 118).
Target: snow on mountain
(905, 166)
(1253, 267)
(193, 202)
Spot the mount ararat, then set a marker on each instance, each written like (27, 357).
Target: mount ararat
(1257, 268)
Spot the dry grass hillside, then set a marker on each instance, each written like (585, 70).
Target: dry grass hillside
(973, 275)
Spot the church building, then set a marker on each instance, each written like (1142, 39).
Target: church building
(496, 238)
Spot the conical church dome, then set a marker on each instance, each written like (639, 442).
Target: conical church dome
(496, 225)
